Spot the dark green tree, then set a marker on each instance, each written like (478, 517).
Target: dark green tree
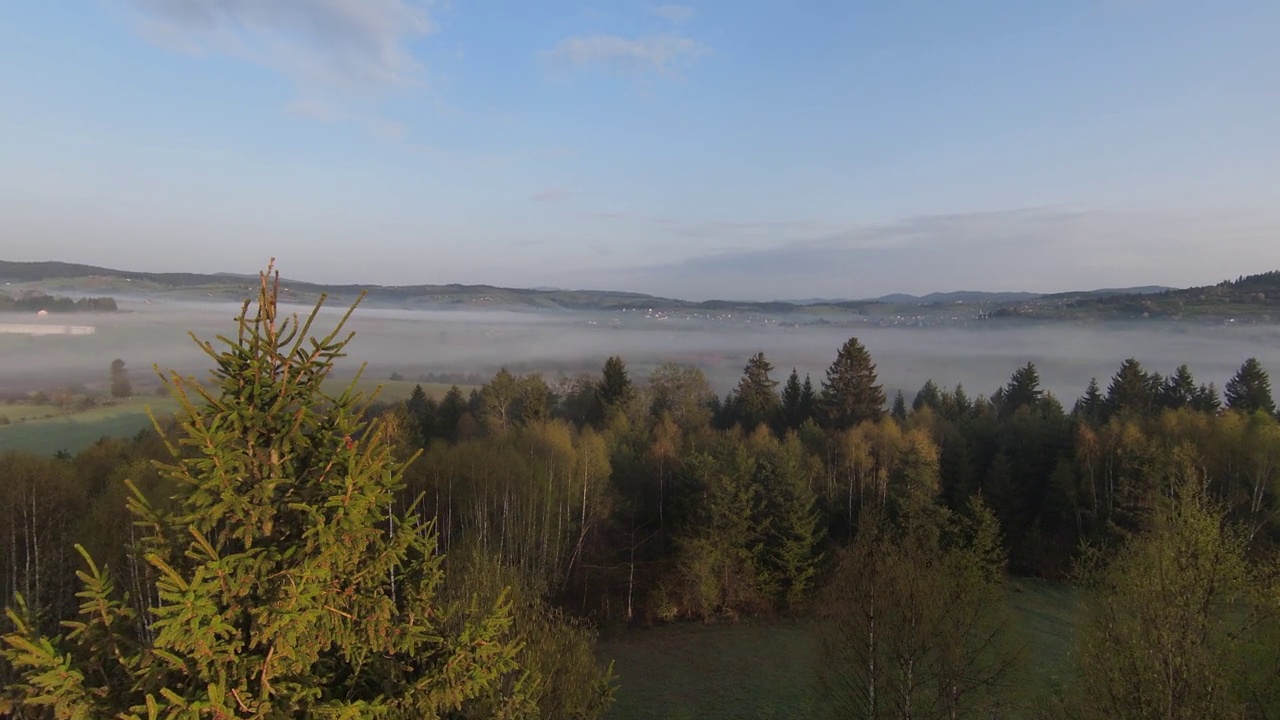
(452, 407)
(120, 386)
(614, 391)
(1249, 390)
(282, 582)
(928, 396)
(1022, 391)
(1092, 406)
(792, 397)
(850, 394)
(1131, 390)
(899, 409)
(755, 400)
(1178, 390)
(1206, 400)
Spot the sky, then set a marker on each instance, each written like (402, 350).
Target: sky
(728, 149)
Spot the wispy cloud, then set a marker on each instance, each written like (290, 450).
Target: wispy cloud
(550, 195)
(676, 14)
(332, 50)
(660, 54)
(1039, 249)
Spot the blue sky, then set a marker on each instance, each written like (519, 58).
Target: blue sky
(711, 149)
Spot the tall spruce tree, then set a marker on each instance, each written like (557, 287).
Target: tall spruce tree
(792, 393)
(756, 399)
(1250, 389)
(1131, 390)
(282, 582)
(1179, 389)
(850, 394)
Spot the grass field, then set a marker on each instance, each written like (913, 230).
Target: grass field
(74, 431)
(766, 669)
(46, 429)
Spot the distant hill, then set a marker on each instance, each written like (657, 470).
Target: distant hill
(1255, 298)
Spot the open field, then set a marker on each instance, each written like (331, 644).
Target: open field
(74, 431)
(46, 429)
(766, 669)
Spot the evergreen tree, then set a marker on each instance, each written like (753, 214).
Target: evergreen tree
(1206, 400)
(452, 408)
(792, 392)
(792, 525)
(615, 389)
(850, 394)
(808, 400)
(1131, 390)
(1179, 390)
(928, 396)
(899, 410)
(120, 387)
(1022, 391)
(282, 583)
(1250, 389)
(1091, 407)
(755, 399)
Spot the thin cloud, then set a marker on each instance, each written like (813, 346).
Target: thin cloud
(550, 195)
(328, 48)
(676, 14)
(660, 54)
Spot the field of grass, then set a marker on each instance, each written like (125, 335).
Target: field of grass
(766, 669)
(74, 431)
(46, 429)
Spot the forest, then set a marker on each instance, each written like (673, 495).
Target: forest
(273, 551)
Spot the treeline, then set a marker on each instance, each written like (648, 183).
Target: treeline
(56, 304)
(610, 485)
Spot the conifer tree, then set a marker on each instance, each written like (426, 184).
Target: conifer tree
(283, 583)
(850, 394)
(899, 410)
(1179, 389)
(1131, 389)
(756, 399)
(792, 394)
(1250, 389)
(1091, 407)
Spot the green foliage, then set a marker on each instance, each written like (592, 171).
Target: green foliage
(281, 583)
(920, 626)
(1173, 621)
(1249, 390)
(850, 394)
(755, 400)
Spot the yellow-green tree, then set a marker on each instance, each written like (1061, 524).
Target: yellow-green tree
(283, 582)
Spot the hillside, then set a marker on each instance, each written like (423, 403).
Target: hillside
(1255, 298)
(1252, 298)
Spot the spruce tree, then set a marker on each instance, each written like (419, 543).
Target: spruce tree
(1130, 390)
(899, 410)
(756, 399)
(850, 394)
(791, 396)
(1091, 407)
(1250, 389)
(1179, 390)
(282, 582)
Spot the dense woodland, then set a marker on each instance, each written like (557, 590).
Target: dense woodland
(457, 554)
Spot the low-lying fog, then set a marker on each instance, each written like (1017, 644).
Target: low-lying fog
(417, 342)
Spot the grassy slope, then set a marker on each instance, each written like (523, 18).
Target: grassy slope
(765, 670)
(74, 431)
(45, 429)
